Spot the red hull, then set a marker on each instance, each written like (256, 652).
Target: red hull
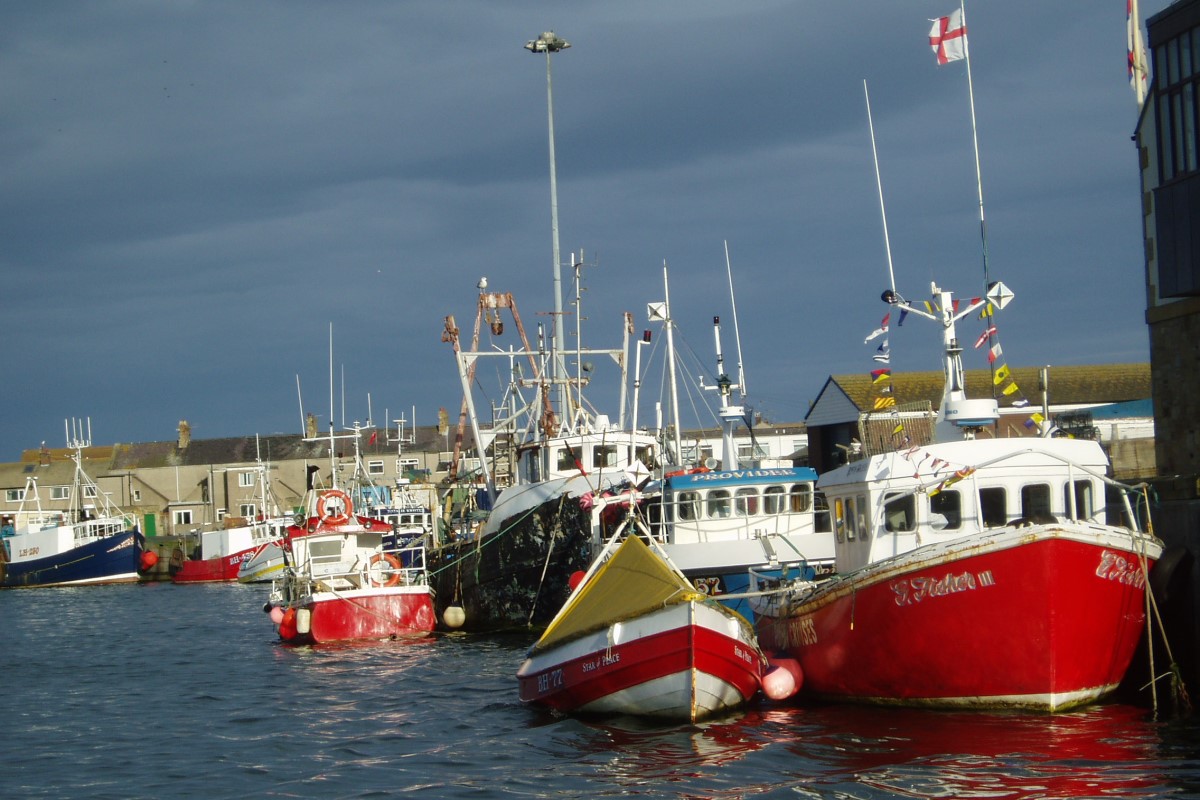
(211, 570)
(1044, 624)
(685, 671)
(360, 614)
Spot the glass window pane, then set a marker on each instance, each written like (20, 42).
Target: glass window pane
(718, 504)
(900, 514)
(1185, 55)
(946, 507)
(1165, 152)
(1173, 62)
(773, 500)
(801, 497)
(1189, 126)
(1035, 501)
(746, 504)
(993, 503)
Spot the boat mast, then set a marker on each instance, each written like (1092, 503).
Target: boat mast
(676, 445)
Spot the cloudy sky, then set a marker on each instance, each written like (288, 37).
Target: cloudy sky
(191, 194)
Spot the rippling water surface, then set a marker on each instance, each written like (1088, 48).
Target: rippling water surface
(162, 691)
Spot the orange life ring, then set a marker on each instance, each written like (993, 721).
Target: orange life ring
(339, 514)
(394, 580)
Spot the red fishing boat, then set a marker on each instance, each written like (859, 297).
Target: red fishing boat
(352, 582)
(971, 572)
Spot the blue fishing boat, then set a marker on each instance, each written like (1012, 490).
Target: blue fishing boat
(92, 542)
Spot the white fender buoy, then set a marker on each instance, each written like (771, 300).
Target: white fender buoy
(783, 679)
(454, 617)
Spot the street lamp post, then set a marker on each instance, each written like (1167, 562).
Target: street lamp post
(549, 43)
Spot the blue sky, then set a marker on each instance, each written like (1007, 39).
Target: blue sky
(192, 193)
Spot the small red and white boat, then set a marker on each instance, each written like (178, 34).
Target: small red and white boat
(222, 552)
(636, 638)
(352, 582)
(971, 571)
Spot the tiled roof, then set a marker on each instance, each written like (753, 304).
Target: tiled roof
(1068, 385)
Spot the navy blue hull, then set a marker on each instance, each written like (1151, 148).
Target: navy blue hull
(108, 560)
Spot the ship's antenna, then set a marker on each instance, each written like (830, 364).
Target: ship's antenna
(879, 184)
(737, 336)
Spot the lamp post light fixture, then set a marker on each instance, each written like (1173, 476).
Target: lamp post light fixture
(549, 43)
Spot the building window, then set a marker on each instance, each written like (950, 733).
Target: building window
(183, 516)
(136, 495)
(374, 467)
(89, 492)
(245, 479)
(14, 495)
(60, 492)
(246, 510)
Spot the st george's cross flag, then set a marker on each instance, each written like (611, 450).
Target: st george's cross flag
(948, 38)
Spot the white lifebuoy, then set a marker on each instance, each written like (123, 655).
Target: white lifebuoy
(334, 507)
(394, 580)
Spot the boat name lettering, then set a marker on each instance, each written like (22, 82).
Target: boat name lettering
(127, 542)
(550, 680)
(741, 473)
(744, 655)
(708, 586)
(807, 631)
(1117, 567)
(26, 552)
(603, 660)
(914, 590)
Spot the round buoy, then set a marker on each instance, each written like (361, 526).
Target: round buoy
(778, 683)
(149, 560)
(575, 579)
(454, 617)
(276, 614)
(287, 625)
(782, 679)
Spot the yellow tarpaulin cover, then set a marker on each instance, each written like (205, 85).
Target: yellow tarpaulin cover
(633, 581)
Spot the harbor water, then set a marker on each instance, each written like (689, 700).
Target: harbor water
(160, 691)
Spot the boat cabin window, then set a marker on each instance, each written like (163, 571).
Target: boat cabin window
(801, 497)
(566, 459)
(773, 501)
(688, 506)
(645, 454)
(718, 504)
(604, 455)
(855, 518)
(531, 465)
(945, 510)
(1035, 501)
(993, 505)
(839, 519)
(324, 552)
(900, 513)
(1082, 501)
(746, 502)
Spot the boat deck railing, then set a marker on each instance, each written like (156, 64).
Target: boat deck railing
(383, 567)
